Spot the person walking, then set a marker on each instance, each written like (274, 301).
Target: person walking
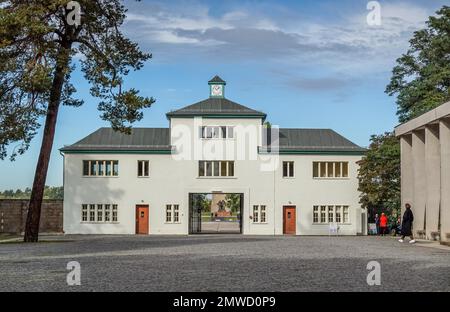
(383, 224)
(407, 224)
(377, 223)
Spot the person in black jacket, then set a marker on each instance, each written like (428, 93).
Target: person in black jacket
(407, 224)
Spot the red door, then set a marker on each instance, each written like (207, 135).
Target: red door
(142, 219)
(289, 220)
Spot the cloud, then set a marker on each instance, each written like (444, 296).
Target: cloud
(318, 84)
(343, 48)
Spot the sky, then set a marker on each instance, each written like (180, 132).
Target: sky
(307, 64)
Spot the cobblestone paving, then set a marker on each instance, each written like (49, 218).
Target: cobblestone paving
(223, 263)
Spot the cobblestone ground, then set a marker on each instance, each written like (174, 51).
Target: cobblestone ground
(223, 263)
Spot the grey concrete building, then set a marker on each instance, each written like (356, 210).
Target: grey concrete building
(425, 171)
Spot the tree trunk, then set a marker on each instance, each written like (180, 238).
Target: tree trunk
(37, 192)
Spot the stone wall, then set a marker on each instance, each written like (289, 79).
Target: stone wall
(13, 214)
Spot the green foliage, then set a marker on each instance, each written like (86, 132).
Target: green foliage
(233, 202)
(421, 79)
(37, 45)
(50, 192)
(379, 175)
(203, 201)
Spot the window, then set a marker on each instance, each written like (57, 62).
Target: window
(323, 169)
(115, 168)
(216, 168)
(100, 168)
(143, 168)
(172, 213)
(216, 132)
(330, 169)
(323, 214)
(288, 169)
(92, 213)
(85, 167)
(176, 213)
(255, 214)
(338, 214)
(337, 169)
(316, 214)
(84, 213)
(345, 214)
(108, 168)
(259, 214)
(99, 213)
(330, 214)
(114, 213)
(230, 132)
(345, 169)
(168, 213)
(107, 213)
(263, 213)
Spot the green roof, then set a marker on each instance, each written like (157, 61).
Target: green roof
(216, 107)
(140, 139)
(217, 79)
(310, 141)
(157, 140)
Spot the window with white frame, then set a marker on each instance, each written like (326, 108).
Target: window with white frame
(216, 132)
(215, 168)
(288, 169)
(99, 213)
(323, 214)
(316, 214)
(330, 214)
(176, 213)
(345, 214)
(143, 168)
(172, 213)
(330, 169)
(91, 213)
(338, 214)
(84, 213)
(100, 168)
(107, 213)
(259, 214)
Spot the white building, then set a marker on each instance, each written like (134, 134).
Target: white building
(214, 153)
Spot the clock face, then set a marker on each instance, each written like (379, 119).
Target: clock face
(216, 90)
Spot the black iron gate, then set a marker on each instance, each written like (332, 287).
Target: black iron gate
(195, 214)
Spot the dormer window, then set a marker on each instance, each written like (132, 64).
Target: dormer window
(216, 132)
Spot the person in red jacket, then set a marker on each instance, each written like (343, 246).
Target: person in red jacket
(383, 224)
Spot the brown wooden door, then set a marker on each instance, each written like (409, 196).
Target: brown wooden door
(142, 219)
(289, 220)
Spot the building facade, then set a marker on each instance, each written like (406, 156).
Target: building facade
(270, 180)
(425, 171)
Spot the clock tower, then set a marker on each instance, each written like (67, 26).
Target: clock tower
(217, 87)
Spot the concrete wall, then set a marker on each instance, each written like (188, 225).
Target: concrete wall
(445, 179)
(13, 215)
(425, 166)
